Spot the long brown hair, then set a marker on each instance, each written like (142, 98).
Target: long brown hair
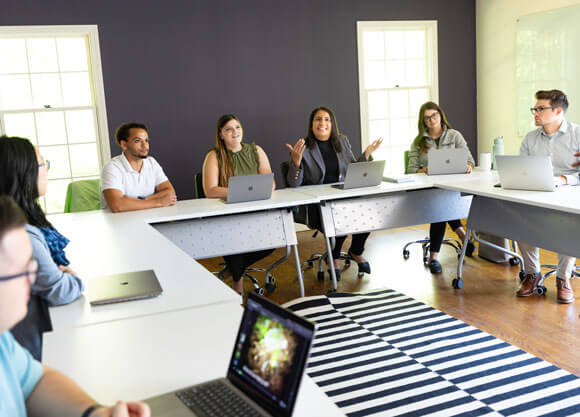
(225, 164)
(334, 133)
(419, 140)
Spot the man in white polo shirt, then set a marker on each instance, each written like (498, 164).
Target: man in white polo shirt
(560, 139)
(134, 180)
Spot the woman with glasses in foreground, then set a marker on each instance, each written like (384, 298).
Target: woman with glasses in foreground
(435, 132)
(24, 177)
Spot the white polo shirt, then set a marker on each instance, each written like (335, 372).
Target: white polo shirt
(120, 175)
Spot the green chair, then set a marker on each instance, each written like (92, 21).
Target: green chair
(83, 195)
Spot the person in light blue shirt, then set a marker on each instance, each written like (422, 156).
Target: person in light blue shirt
(27, 387)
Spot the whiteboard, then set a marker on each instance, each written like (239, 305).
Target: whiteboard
(547, 57)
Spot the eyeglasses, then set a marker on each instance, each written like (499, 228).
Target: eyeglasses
(540, 109)
(432, 117)
(30, 273)
(45, 164)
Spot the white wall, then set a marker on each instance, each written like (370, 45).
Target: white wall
(496, 61)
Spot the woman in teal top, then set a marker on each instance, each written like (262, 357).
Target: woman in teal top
(232, 158)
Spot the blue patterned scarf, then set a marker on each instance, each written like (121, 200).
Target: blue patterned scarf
(56, 244)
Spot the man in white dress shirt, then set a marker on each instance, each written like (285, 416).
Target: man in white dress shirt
(559, 139)
(134, 180)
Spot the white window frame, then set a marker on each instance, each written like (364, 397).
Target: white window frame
(95, 72)
(430, 27)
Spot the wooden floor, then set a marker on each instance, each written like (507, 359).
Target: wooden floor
(537, 324)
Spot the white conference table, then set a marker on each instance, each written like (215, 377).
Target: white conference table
(104, 243)
(389, 205)
(141, 357)
(549, 220)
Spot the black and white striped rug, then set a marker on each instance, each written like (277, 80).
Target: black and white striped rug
(384, 353)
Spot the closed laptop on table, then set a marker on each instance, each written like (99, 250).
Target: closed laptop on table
(447, 161)
(266, 367)
(250, 188)
(127, 286)
(533, 173)
(362, 174)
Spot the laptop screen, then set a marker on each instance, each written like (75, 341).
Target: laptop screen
(270, 355)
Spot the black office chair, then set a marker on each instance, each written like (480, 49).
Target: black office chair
(270, 286)
(301, 217)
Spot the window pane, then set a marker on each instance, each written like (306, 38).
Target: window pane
(379, 129)
(398, 104)
(399, 132)
(50, 128)
(42, 55)
(59, 162)
(374, 45)
(76, 89)
(415, 44)
(395, 73)
(84, 160)
(20, 124)
(377, 104)
(15, 92)
(46, 90)
(416, 74)
(375, 74)
(13, 53)
(55, 195)
(395, 45)
(417, 97)
(72, 54)
(80, 126)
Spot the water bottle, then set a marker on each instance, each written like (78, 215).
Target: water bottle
(497, 149)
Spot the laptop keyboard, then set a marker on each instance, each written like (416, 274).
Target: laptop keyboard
(215, 398)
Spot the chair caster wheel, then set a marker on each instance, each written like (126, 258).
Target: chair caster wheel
(259, 291)
(270, 287)
(522, 275)
(541, 290)
(514, 261)
(406, 254)
(310, 264)
(347, 263)
(457, 283)
(360, 275)
(426, 260)
(320, 276)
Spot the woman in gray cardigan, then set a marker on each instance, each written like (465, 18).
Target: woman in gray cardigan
(322, 158)
(24, 177)
(435, 132)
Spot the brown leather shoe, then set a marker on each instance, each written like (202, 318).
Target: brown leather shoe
(565, 293)
(528, 284)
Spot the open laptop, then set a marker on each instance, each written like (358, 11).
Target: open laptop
(532, 173)
(127, 286)
(250, 188)
(447, 161)
(362, 174)
(266, 367)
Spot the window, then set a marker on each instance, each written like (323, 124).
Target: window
(51, 92)
(397, 64)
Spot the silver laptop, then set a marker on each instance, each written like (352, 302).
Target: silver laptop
(128, 286)
(250, 188)
(266, 367)
(532, 173)
(447, 161)
(362, 174)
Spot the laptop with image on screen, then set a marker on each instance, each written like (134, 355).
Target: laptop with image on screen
(447, 161)
(266, 367)
(250, 188)
(127, 286)
(520, 172)
(362, 174)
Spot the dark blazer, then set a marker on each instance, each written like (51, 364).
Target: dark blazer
(312, 168)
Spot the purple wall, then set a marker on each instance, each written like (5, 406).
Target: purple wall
(178, 65)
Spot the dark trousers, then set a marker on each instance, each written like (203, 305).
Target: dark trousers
(237, 264)
(437, 233)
